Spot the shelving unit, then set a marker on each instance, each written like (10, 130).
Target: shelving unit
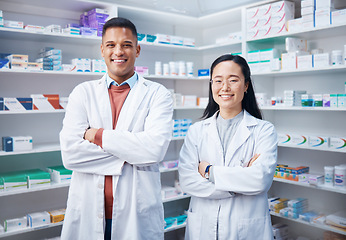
(45, 126)
(316, 225)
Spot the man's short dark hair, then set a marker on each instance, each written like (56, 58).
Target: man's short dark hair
(120, 22)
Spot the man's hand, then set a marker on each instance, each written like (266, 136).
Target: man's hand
(90, 134)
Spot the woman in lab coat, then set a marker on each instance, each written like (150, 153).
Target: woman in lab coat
(228, 160)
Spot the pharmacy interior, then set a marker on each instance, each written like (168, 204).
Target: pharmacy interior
(296, 51)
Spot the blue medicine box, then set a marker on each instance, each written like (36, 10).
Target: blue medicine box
(203, 72)
(1, 104)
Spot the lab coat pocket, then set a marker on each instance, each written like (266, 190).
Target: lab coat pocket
(149, 190)
(255, 228)
(193, 227)
(138, 121)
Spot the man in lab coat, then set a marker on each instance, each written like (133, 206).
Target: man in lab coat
(115, 132)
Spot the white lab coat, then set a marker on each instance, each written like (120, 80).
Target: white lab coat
(237, 203)
(130, 153)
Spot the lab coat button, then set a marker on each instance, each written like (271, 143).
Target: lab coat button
(101, 186)
(100, 215)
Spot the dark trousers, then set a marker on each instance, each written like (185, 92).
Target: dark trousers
(108, 230)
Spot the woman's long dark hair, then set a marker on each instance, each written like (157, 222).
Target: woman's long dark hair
(249, 102)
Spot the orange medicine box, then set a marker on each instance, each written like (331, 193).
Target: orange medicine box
(45, 101)
(57, 215)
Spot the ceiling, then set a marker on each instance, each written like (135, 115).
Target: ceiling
(193, 8)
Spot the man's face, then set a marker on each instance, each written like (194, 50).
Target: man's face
(119, 49)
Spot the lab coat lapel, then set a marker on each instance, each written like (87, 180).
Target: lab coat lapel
(104, 104)
(131, 104)
(214, 137)
(240, 136)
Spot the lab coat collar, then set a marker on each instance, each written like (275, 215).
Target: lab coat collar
(239, 138)
(129, 108)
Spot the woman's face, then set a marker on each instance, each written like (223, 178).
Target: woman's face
(228, 88)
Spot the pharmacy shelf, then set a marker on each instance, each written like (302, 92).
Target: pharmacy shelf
(321, 226)
(35, 189)
(333, 30)
(319, 187)
(302, 72)
(13, 33)
(298, 108)
(311, 148)
(32, 112)
(156, 77)
(63, 111)
(46, 72)
(171, 199)
(29, 229)
(175, 227)
(37, 148)
(51, 147)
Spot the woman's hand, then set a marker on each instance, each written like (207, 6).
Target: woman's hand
(253, 159)
(201, 168)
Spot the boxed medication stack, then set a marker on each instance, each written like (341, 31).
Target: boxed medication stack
(14, 181)
(97, 18)
(308, 14)
(83, 65)
(180, 127)
(293, 97)
(71, 28)
(18, 61)
(323, 12)
(1, 19)
(295, 207)
(269, 19)
(278, 204)
(37, 177)
(50, 58)
(280, 231)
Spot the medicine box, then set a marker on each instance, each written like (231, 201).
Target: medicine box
(163, 38)
(15, 224)
(322, 17)
(284, 138)
(334, 100)
(14, 144)
(296, 44)
(320, 4)
(57, 215)
(190, 100)
(37, 177)
(339, 17)
(1, 104)
(38, 219)
(13, 24)
(203, 72)
(59, 174)
(299, 140)
(190, 42)
(294, 25)
(18, 58)
(318, 142)
(269, 54)
(45, 102)
(326, 100)
(176, 40)
(14, 180)
(168, 192)
(337, 143)
(321, 60)
(307, 3)
(341, 100)
(17, 104)
(34, 66)
(305, 61)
